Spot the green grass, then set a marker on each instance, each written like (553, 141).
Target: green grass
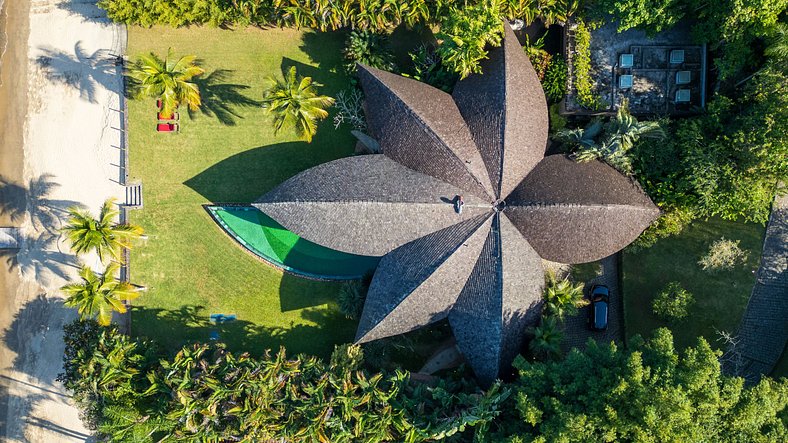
(228, 153)
(720, 298)
(284, 248)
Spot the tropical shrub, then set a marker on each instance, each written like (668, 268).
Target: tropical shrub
(555, 77)
(368, 48)
(620, 135)
(539, 58)
(546, 341)
(351, 299)
(652, 16)
(349, 109)
(562, 297)
(322, 15)
(646, 392)
(206, 393)
(465, 33)
(673, 302)
(581, 66)
(107, 237)
(557, 121)
(428, 68)
(670, 222)
(294, 104)
(723, 254)
(167, 79)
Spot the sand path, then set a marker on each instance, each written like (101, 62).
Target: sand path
(71, 156)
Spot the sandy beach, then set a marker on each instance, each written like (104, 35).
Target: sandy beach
(60, 147)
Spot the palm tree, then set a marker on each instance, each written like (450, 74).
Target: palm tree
(294, 104)
(561, 297)
(102, 235)
(168, 80)
(621, 134)
(99, 295)
(582, 137)
(547, 339)
(778, 45)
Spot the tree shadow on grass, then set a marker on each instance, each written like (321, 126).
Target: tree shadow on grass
(191, 323)
(80, 70)
(221, 99)
(244, 177)
(326, 50)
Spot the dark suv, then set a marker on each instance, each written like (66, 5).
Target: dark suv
(600, 299)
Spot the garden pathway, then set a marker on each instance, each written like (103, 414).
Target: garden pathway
(576, 331)
(763, 331)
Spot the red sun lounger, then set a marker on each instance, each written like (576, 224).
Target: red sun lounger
(167, 127)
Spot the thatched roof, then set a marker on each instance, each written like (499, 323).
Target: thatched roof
(481, 269)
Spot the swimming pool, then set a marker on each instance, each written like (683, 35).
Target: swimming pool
(267, 239)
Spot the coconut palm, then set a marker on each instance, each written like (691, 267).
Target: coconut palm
(778, 45)
(167, 80)
(99, 295)
(562, 297)
(547, 339)
(102, 235)
(294, 104)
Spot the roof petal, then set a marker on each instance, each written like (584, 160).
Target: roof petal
(578, 212)
(366, 205)
(502, 298)
(420, 127)
(417, 283)
(506, 111)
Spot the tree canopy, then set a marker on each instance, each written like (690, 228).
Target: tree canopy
(129, 391)
(648, 393)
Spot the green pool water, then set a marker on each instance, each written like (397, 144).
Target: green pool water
(266, 238)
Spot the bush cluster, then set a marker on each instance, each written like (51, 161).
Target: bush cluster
(723, 254)
(581, 63)
(555, 77)
(673, 303)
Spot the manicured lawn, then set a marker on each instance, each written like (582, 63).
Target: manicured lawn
(228, 154)
(720, 298)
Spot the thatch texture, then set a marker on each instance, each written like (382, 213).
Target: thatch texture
(506, 111)
(480, 268)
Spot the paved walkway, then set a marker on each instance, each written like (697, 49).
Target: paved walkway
(763, 331)
(576, 330)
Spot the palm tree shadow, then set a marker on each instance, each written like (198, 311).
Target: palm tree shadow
(46, 214)
(40, 258)
(220, 99)
(81, 71)
(32, 325)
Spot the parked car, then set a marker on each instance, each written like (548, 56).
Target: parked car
(600, 299)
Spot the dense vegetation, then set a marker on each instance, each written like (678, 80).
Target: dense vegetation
(647, 393)
(130, 391)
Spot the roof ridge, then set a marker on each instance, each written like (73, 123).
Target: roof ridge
(427, 129)
(482, 220)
